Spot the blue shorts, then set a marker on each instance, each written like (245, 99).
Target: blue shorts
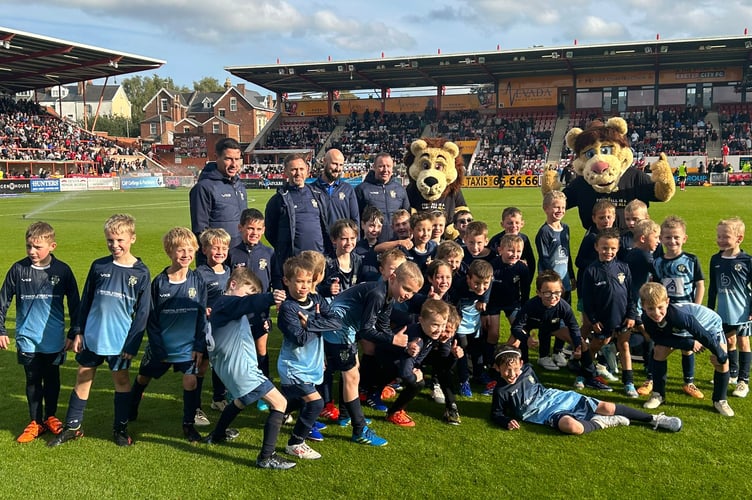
(340, 357)
(90, 359)
(262, 390)
(297, 391)
(583, 410)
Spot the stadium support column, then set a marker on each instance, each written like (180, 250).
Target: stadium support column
(383, 101)
(439, 93)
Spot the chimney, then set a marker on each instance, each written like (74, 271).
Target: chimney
(241, 88)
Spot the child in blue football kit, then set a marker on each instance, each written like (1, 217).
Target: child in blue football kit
(730, 294)
(113, 315)
(302, 318)
(519, 396)
(232, 353)
(40, 283)
(689, 327)
(215, 273)
(364, 310)
(259, 258)
(177, 327)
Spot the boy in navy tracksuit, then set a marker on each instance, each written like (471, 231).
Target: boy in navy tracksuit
(302, 318)
(609, 304)
(552, 316)
(405, 363)
(40, 283)
(113, 315)
(469, 296)
(259, 259)
(372, 220)
(176, 327)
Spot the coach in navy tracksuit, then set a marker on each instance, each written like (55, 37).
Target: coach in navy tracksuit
(341, 196)
(219, 197)
(296, 217)
(382, 191)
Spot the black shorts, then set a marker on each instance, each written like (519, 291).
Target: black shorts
(341, 357)
(40, 358)
(90, 359)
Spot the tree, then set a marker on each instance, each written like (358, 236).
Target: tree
(208, 84)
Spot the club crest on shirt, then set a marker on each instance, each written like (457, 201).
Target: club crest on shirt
(262, 263)
(737, 267)
(342, 196)
(192, 293)
(314, 203)
(132, 280)
(621, 277)
(393, 193)
(54, 280)
(531, 379)
(681, 268)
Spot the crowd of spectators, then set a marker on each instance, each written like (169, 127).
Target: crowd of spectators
(735, 128)
(372, 132)
(305, 133)
(513, 144)
(29, 133)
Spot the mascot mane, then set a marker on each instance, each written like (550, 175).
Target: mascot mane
(437, 142)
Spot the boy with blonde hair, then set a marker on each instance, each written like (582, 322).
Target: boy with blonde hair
(680, 272)
(215, 245)
(177, 327)
(553, 244)
(685, 326)
(646, 238)
(730, 294)
(39, 283)
(113, 315)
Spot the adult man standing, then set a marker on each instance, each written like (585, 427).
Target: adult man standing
(219, 197)
(341, 196)
(382, 191)
(296, 217)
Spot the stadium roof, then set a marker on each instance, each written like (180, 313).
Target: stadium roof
(29, 61)
(475, 68)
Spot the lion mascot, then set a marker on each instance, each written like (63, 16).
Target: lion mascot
(603, 163)
(436, 172)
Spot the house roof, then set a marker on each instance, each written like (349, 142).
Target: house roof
(29, 61)
(92, 93)
(474, 68)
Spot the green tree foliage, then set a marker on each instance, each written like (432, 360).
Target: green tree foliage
(208, 84)
(118, 126)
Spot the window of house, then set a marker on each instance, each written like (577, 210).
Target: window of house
(222, 112)
(153, 129)
(186, 129)
(215, 128)
(233, 104)
(163, 105)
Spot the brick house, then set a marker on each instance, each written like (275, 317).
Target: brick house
(236, 113)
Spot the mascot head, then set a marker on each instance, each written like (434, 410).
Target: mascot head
(602, 153)
(435, 166)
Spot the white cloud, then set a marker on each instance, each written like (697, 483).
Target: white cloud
(596, 28)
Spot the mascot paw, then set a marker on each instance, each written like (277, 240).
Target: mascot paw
(550, 181)
(663, 178)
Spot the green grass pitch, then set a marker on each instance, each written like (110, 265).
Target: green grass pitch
(433, 460)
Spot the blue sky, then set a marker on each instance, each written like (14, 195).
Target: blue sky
(199, 39)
